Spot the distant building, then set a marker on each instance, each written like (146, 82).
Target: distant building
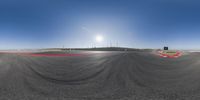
(165, 48)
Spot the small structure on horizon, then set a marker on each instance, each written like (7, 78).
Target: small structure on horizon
(166, 48)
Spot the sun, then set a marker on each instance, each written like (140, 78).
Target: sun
(99, 38)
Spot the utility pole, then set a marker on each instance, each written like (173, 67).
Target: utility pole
(63, 47)
(110, 44)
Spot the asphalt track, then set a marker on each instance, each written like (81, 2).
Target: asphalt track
(100, 76)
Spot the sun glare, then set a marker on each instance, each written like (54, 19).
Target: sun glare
(99, 38)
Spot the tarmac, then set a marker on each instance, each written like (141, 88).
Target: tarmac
(99, 76)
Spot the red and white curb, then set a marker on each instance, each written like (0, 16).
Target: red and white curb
(164, 55)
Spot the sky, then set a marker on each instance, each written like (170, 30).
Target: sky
(76, 23)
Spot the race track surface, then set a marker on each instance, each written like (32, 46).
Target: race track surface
(100, 76)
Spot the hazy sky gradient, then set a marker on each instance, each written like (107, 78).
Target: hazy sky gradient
(75, 23)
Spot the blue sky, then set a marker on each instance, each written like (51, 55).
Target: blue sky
(75, 23)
